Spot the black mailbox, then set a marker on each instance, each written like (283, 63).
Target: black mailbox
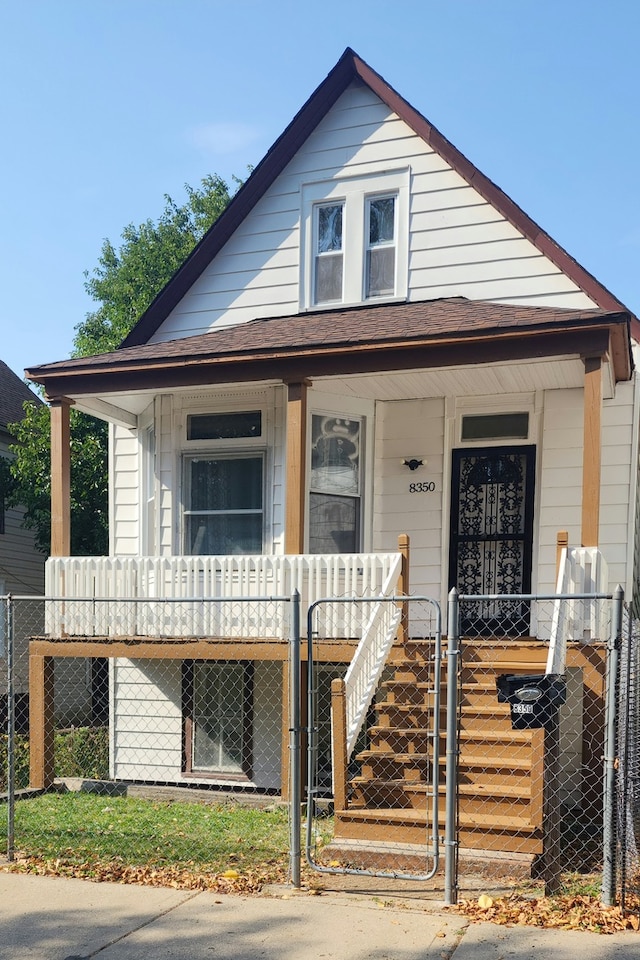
(534, 698)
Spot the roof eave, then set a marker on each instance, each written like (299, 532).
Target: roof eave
(598, 339)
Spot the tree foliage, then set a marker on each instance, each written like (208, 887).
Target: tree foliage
(123, 285)
(127, 280)
(31, 471)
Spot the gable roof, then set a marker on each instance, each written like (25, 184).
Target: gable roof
(351, 67)
(13, 393)
(349, 340)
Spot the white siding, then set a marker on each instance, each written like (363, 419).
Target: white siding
(459, 245)
(559, 476)
(124, 526)
(617, 480)
(413, 428)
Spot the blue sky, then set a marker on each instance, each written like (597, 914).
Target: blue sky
(107, 105)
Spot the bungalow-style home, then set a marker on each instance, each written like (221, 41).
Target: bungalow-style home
(372, 347)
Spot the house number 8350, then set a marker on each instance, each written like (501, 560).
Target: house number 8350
(426, 486)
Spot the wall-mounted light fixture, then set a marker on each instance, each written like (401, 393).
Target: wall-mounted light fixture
(412, 463)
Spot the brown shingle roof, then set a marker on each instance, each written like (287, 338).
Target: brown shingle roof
(348, 330)
(13, 393)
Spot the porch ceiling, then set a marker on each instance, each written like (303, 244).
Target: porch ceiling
(470, 380)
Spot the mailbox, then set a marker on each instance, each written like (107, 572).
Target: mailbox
(534, 698)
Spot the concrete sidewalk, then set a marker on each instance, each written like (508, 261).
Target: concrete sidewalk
(46, 918)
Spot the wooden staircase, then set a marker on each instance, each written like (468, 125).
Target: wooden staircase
(500, 769)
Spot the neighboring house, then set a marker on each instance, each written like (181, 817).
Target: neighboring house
(369, 333)
(21, 564)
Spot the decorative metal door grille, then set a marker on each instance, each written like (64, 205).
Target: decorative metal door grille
(492, 533)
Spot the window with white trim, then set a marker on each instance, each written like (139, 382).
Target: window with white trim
(335, 485)
(224, 504)
(223, 509)
(354, 240)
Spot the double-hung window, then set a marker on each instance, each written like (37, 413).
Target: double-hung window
(223, 510)
(329, 259)
(354, 240)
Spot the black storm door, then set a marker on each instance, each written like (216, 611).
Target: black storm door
(492, 535)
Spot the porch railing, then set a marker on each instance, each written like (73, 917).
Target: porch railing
(581, 571)
(212, 596)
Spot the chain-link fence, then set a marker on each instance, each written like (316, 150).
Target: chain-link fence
(159, 732)
(628, 758)
(147, 735)
(532, 710)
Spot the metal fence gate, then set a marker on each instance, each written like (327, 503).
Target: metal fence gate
(536, 723)
(375, 779)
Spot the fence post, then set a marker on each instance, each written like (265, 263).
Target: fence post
(294, 740)
(451, 775)
(609, 778)
(551, 866)
(11, 729)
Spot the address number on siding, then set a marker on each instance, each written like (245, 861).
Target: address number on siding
(426, 486)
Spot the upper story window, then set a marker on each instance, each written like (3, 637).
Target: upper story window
(354, 240)
(381, 251)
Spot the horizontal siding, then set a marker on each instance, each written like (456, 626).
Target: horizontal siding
(124, 526)
(411, 428)
(560, 479)
(257, 272)
(21, 565)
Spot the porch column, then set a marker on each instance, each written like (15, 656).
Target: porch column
(592, 451)
(296, 466)
(60, 477)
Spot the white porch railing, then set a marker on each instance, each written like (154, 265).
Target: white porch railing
(223, 596)
(363, 673)
(582, 570)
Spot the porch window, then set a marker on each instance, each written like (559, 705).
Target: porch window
(334, 500)
(224, 510)
(218, 717)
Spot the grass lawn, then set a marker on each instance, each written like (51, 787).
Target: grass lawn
(137, 840)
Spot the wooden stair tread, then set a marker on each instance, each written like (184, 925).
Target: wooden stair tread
(512, 737)
(410, 815)
(391, 755)
(482, 791)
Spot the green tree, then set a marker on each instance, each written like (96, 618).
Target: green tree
(124, 283)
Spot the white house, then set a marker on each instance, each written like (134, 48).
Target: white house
(369, 337)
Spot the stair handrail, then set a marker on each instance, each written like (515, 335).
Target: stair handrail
(367, 664)
(581, 570)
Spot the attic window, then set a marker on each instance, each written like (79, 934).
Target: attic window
(354, 239)
(496, 426)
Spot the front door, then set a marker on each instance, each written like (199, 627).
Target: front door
(492, 535)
